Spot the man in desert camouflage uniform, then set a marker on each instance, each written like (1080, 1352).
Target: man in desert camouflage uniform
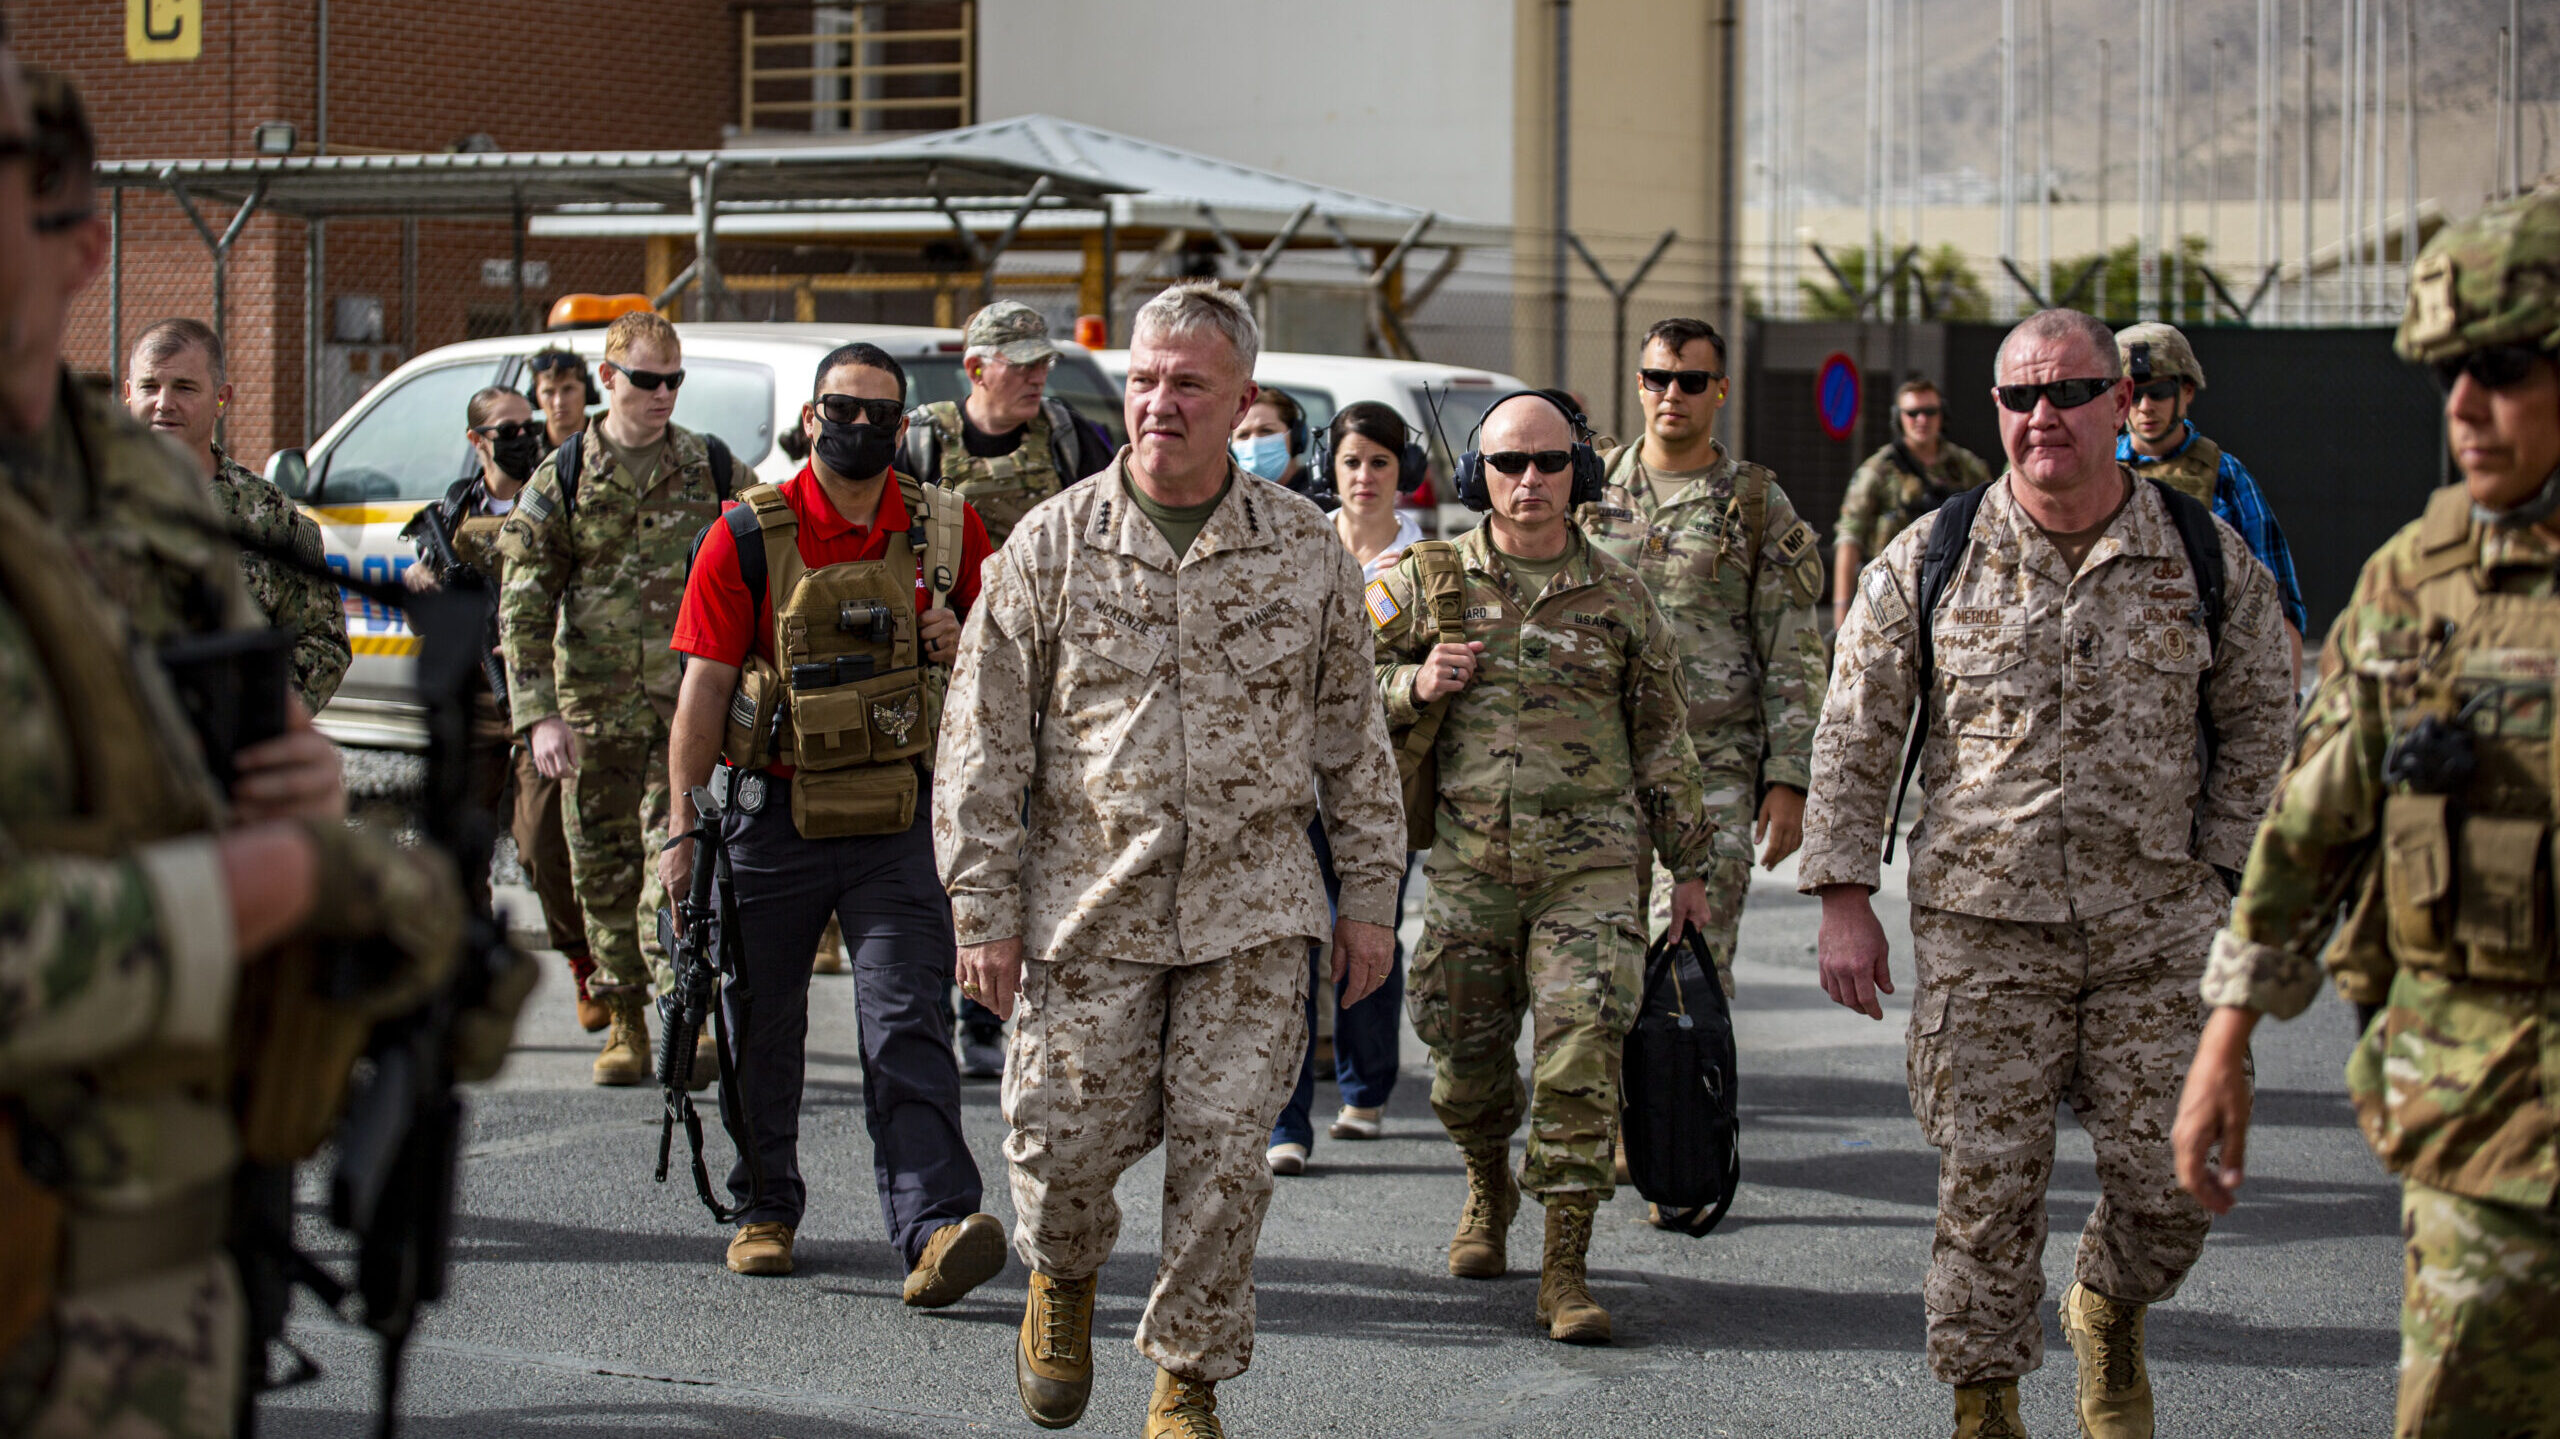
(1563, 754)
(1738, 575)
(1171, 667)
(594, 575)
(2416, 825)
(1899, 483)
(175, 383)
(2063, 874)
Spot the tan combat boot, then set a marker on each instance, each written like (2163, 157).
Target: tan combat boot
(1565, 1304)
(1183, 1409)
(958, 1258)
(1481, 1248)
(1053, 1365)
(2115, 1387)
(1989, 1410)
(625, 1059)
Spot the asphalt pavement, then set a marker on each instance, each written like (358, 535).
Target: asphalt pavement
(588, 1301)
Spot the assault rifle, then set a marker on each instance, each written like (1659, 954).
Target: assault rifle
(701, 950)
(434, 524)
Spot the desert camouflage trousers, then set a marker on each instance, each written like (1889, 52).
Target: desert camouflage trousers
(2479, 1320)
(1110, 1058)
(1570, 954)
(155, 1357)
(2010, 1018)
(614, 811)
(1733, 803)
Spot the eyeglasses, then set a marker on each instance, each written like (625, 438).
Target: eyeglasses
(2158, 390)
(509, 429)
(1513, 462)
(650, 379)
(1692, 382)
(855, 410)
(2065, 394)
(2495, 366)
(1923, 412)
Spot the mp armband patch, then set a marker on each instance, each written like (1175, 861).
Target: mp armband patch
(1383, 608)
(1793, 544)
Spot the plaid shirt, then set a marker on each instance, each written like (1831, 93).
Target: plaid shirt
(2237, 499)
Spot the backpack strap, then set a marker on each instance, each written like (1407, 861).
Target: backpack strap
(1751, 494)
(566, 460)
(1947, 541)
(720, 463)
(766, 534)
(937, 521)
(2202, 541)
(1444, 594)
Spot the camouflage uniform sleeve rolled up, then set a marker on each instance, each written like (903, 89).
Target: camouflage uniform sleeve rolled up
(1788, 636)
(100, 955)
(534, 548)
(1866, 715)
(1356, 784)
(1401, 640)
(984, 756)
(2250, 696)
(1670, 787)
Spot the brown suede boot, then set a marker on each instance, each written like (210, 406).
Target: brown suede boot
(1183, 1409)
(1481, 1249)
(1053, 1363)
(2115, 1386)
(625, 1059)
(593, 1014)
(1565, 1304)
(1989, 1410)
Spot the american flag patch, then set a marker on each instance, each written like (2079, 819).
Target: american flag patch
(1382, 606)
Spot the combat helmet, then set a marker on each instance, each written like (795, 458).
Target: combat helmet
(2491, 279)
(2154, 350)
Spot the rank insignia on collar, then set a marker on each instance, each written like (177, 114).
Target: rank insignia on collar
(897, 720)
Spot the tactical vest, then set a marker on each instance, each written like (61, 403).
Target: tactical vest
(2195, 470)
(1003, 488)
(475, 541)
(1443, 596)
(848, 700)
(2467, 875)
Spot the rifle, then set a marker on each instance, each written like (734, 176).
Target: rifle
(434, 524)
(701, 951)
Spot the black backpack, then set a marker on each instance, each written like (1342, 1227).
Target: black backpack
(1676, 1107)
(2188, 515)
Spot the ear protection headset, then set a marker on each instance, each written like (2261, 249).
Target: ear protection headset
(1413, 462)
(1588, 472)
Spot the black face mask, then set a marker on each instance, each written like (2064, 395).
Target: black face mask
(857, 452)
(517, 457)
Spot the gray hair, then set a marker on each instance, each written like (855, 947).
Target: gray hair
(170, 338)
(1192, 306)
(2062, 325)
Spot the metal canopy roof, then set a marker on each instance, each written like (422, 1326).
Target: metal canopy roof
(500, 185)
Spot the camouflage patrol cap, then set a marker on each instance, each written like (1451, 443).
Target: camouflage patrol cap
(2491, 279)
(1011, 329)
(2165, 352)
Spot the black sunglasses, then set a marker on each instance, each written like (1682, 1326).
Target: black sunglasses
(2065, 394)
(1691, 382)
(855, 410)
(650, 379)
(2496, 366)
(508, 429)
(2158, 390)
(1513, 462)
(1923, 412)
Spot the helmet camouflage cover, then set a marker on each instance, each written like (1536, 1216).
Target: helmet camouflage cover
(2162, 349)
(2491, 279)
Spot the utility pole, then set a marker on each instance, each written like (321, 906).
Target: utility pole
(2044, 149)
(2409, 134)
(2106, 87)
(2309, 139)
(2009, 137)
(1561, 202)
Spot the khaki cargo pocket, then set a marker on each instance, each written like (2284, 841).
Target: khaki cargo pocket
(831, 727)
(2417, 869)
(1925, 1066)
(2498, 914)
(875, 799)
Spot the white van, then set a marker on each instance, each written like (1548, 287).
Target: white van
(402, 445)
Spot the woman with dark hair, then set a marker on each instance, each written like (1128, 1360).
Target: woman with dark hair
(1365, 453)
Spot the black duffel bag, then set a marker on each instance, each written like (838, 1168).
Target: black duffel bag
(1676, 1099)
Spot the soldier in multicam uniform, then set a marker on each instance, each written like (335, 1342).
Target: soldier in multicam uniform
(1166, 670)
(594, 575)
(1906, 479)
(1563, 754)
(2407, 852)
(175, 384)
(1738, 575)
(2063, 874)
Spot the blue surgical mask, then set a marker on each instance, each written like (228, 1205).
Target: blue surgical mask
(1266, 456)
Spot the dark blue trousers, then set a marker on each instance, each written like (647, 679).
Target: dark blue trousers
(897, 925)
(1364, 1034)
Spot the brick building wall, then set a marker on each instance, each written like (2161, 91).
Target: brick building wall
(401, 79)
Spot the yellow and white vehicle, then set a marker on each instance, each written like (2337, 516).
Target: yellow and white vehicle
(403, 444)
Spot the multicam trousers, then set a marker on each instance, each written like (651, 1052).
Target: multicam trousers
(1569, 953)
(614, 810)
(1733, 803)
(2010, 1018)
(1112, 1057)
(158, 1356)
(2479, 1319)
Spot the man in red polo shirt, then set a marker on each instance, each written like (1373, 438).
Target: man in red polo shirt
(869, 616)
